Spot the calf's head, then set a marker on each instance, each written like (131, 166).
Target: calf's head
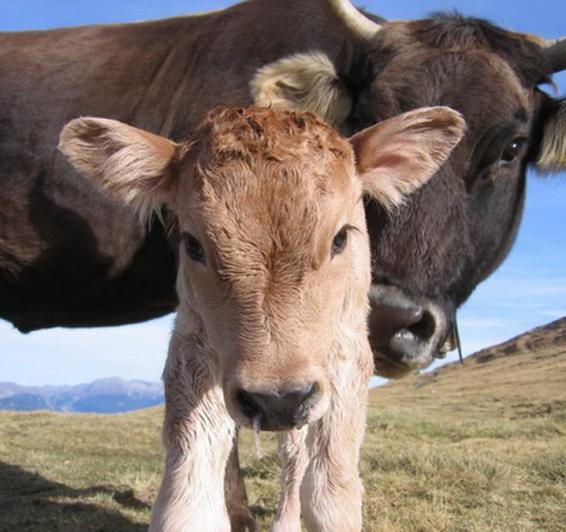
(274, 266)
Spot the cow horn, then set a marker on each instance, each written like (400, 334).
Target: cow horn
(354, 20)
(555, 50)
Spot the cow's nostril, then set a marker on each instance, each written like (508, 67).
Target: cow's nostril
(402, 333)
(423, 329)
(405, 333)
(279, 409)
(389, 320)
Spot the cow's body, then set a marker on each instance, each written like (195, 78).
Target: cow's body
(69, 257)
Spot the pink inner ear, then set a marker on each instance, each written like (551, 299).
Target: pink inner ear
(398, 155)
(164, 148)
(388, 160)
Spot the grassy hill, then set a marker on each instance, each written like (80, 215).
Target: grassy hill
(475, 447)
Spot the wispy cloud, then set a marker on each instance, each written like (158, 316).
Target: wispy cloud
(553, 314)
(483, 323)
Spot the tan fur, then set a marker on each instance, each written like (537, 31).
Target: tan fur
(303, 82)
(271, 308)
(294, 462)
(552, 158)
(405, 148)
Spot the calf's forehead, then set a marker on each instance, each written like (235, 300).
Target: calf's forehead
(270, 169)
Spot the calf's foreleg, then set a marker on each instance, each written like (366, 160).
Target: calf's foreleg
(331, 491)
(198, 434)
(294, 462)
(241, 518)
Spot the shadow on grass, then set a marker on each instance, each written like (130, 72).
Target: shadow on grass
(27, 503)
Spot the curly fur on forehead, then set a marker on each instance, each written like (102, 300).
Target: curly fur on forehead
(271, 162)
(252, 135)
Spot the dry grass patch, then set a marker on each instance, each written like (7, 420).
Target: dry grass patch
(470, 448)
(422, 471)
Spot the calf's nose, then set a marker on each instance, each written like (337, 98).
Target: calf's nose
(280, 409)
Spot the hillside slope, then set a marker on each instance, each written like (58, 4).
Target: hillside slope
(523, 376)
(473, 447)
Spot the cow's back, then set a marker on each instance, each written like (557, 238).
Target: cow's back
(68, 256)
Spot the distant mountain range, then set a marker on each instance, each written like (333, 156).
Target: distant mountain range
(104, 396)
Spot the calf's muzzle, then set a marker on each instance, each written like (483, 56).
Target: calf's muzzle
(278, 409)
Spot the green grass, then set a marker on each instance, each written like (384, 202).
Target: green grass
(472, 474)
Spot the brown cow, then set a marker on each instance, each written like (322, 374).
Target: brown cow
(273, 279)
(69, 257)
(491, 76)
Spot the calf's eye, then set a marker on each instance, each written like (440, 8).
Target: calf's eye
(512, 150)
(193, 248)
(339, 242)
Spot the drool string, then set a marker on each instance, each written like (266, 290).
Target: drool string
(256, 427)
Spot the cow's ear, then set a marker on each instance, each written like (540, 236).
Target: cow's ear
(133, 165)
(303, 82)
(398, 155)
(552, 149)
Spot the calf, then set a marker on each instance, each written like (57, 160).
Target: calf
(273, 277)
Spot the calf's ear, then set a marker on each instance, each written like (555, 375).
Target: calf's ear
(132, 165)
(398, 155)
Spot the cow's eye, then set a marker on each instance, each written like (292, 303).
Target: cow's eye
(194, 248)
(512, 150)
(339, 242)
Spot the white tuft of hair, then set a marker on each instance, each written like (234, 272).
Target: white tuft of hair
(303, 82)
(552, 157)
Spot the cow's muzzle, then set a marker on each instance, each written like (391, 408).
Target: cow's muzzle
(406, 333)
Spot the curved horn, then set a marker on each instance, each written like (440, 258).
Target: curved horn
(354, 20)
(555, 50)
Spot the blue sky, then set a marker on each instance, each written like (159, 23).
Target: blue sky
(528, 290)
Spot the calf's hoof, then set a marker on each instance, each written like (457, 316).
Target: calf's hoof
(243, 522)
